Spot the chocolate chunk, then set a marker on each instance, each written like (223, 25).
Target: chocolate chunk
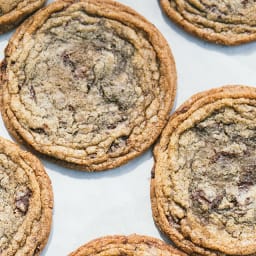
(245, 2)
(248, 175)
(37, 250)
(3, 66)
(153, 173)
(118, 143)
(216, 201)
(22, 200)
(112, 126)
(71, 108)
(68, 62)
(39, 130)
(222, 156)
(199, 195)
(63, 124)
(32, 93)
(245, 184)
(92, 155)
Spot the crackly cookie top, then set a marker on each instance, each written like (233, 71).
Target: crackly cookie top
(208, 178)
(133, 245)
(12, 12)
(88, 82)
(226, 22)
(7, 6)
(25, 202)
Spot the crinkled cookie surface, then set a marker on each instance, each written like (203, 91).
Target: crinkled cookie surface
(203, 187)
(89, 82)
(25, 202)
(12, 12)
(133, 245)
(225, 22)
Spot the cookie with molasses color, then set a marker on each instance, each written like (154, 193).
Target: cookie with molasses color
(133, 245)
(89, 83)
(222, 22)
(13, 12)
(203, 185)
(26, 202)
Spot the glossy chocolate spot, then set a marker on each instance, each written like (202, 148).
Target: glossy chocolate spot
(22, 200)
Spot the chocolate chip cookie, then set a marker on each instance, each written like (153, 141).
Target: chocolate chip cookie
(133, 245)
(25, 202)
(88, 82)
(203, 185)
(223, 22)
(12, 12)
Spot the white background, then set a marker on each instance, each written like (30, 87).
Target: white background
(90, 205)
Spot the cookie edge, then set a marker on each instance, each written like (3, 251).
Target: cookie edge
(46, 194)
(214, 37)
(170, 83)
(121, 239)
(13, 18)
(189, 106)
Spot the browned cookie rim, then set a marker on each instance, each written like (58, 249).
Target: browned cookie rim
(130, 18)
(99, 244)
(213, 37)
(35, 241)
(14, 17)
(180, 115)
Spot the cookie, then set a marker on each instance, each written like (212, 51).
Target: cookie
(90, 83)
(203, 185)
(127, 245)
(222, 22)
(26, 202)
(13, 12)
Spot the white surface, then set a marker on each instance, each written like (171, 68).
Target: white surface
(90, 205)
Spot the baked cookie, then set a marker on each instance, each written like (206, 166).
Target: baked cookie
(88, 82)
(26, 202)
(12, 12)
(203, 185)
(222, 22)
(133, 245)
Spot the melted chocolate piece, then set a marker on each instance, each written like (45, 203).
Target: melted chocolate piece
(22, 200)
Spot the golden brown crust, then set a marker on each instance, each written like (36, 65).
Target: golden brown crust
(215, 30)
(35, 207)
(167, 84)
(17, 14)
(125, 245)
(173, 209)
